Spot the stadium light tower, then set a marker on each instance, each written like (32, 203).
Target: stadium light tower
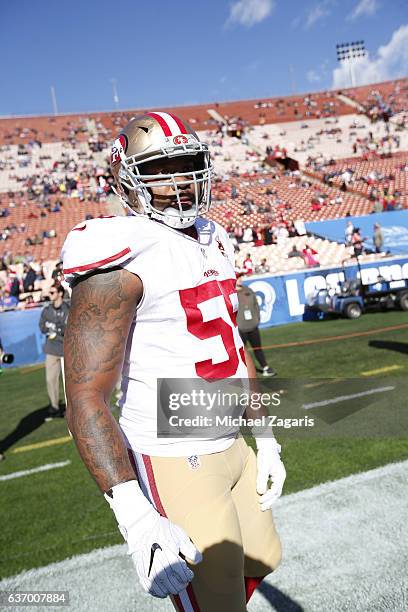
(348, 53)
(54, 100)
(115, 93)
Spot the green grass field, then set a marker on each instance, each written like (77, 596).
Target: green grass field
(53, 515)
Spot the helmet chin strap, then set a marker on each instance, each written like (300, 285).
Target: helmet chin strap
(172, 219)
(169, 216)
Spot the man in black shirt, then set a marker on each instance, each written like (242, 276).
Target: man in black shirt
(52, 323)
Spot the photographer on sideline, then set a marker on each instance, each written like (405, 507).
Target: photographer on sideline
(53, 322)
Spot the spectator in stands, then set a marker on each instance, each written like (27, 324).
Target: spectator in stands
(294, 252)
(263, 267)
(348, 234)
(315, 205)
(52, 323)
(292, 229)
(269, 233)
(238, 233)
(378, 238)
(309, 257)
(29, 303)
(378, 207)
(358, 242)
(13, 284)
(248, 265)
(248, 206)
(8, 301)
(282, 234)
(248, 319)
(29, 278)
(58, 274)
(248, 235)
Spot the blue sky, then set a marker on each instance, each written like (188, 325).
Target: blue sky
(188, 51)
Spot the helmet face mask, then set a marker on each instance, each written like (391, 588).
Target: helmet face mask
(165, 177)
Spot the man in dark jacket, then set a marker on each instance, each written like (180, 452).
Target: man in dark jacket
(29, 278)
(52, 323)
(248, 319)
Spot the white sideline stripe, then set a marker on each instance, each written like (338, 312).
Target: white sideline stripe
(345, 398)
(348, 481)
(41, 468)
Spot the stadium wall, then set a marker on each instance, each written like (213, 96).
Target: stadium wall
(282, 299)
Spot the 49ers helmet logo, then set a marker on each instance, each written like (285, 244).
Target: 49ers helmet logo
(180, 139)
(120, 144)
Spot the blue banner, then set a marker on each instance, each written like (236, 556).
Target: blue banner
(282, 299)
(394, 227)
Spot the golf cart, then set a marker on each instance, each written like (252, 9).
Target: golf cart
(351, 298)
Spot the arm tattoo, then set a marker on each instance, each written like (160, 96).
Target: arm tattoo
(96, 336)
(102, 310)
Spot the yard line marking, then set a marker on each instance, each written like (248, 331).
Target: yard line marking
(44, 444)
(320, 383)
(41, 468)
(381, 370)
(379, 330)
(344, 398)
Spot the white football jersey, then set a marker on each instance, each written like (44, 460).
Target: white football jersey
(184, 325)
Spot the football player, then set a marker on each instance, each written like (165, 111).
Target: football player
(154, 297)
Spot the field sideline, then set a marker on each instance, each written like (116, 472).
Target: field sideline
(341, 558)
(70, 516)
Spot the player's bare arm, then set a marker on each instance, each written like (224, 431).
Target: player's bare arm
(102, 309)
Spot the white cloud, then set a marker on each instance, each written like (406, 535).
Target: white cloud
(250, 12)
(317, 12)
(312, 76)
(389, 62)
(364, 8)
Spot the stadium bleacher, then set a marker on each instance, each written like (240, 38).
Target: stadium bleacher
(54, 170)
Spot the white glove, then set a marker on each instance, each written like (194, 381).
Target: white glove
(154, 543)
(269, 465)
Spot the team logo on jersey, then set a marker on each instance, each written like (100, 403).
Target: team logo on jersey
(221, 247)
(180, 139)
(119, 146)
(211, 272)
